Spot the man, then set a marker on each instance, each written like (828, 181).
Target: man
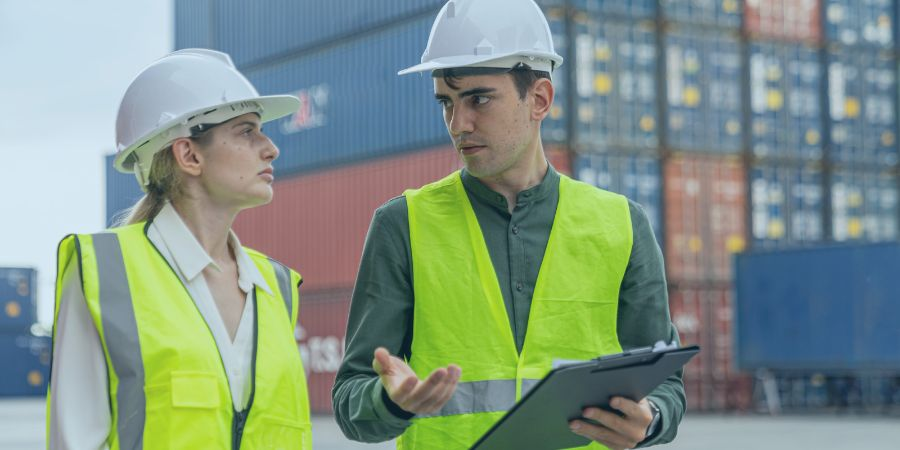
(477, 282)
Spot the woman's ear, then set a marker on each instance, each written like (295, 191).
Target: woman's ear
(187, 156)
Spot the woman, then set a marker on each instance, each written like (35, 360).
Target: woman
(168, 334)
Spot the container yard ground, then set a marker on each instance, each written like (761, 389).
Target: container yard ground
(22, 428)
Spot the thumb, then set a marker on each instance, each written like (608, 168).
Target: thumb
(382, 361)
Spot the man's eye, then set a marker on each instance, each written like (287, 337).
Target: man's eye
(444, 103)
(480, 99)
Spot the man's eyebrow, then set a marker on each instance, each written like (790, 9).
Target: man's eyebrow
(476, 91)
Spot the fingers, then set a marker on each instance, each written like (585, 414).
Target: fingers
(600, 434)
(440, 392)
(614, 430)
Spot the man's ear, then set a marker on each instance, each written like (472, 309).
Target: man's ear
(187, 156)
(542, 91)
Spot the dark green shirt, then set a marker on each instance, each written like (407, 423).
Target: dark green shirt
(381, 312)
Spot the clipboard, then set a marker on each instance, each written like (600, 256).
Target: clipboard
(540, 420)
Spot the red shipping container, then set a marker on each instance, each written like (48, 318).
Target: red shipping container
(320, 339)
(796, 20)
(705, 201)
(703, 316)
(317, 222)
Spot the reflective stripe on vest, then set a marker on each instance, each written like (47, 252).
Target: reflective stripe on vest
(284, 284)
(121, 337)
(482, 396)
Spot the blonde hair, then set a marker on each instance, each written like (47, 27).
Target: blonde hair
(165, 185)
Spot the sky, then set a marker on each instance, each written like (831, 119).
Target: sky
(64, 66)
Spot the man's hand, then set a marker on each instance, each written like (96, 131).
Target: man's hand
(615, 431)
(408, 391)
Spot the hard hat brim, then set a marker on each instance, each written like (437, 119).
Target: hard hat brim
(273, 107)
(550, 62)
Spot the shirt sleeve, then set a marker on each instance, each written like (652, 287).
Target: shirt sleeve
(78, 411)
(643, 319)
(381, 311)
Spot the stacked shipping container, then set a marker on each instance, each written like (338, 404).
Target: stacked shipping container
(764, 123)
(26, 358)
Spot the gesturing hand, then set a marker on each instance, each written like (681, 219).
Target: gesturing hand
(408, 391)
(616, 431)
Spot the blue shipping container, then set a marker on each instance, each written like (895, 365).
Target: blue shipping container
(252, 33)
(354, 106)
(819, 309)
(864, 206)
(637, 9)
(634, 176)
(26, 365)
(860, 22)
(193, 24)
(554, 127)
(787, 205)
(724, 13)
(703, 74)
(17, 298)
(862, 95)
(122, 191)
(785, 87)
(615, 72)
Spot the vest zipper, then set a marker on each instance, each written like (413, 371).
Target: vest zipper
(238, 422)
(239, 419)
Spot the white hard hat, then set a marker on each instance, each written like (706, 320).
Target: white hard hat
(181, 90)
(489, 33)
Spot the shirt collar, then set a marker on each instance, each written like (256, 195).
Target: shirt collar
(547, 186)
(191, 259)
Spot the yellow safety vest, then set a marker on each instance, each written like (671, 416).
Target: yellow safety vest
(460, 317)
(167, 384)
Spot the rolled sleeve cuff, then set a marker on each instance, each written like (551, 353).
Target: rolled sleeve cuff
(387, 411)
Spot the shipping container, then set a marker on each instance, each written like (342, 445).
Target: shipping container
(706, 201)
(830, 309)
(554, 127)
(787, 205)
(703, 73)
(785, 101)
(703, 316)
(615, 77)
(634, 176)
(862, 95)
(194, 25)
(636, 9)
(796, 20)
(722, 13)
(255, 35)
(860, 22)
(122, 191)
(354, 106)
(864, 206)
(26, 365)
(17, 298)
(320, 339)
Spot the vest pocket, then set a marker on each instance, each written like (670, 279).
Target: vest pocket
(195, 390)
(279, 433)
(187, 412)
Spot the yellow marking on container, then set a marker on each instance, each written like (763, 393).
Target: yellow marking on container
(812, 137)
(695, 244)
(691, 96)
(13, 309)
(851, 107)
(775, 229)
(887, 139)
(647, 123)
(774, 100)
(603, 84)
(729, 6)
(735, 243)
(35, 378)
(732, 127)
(603, 53)
(854, 227)
(556, 112)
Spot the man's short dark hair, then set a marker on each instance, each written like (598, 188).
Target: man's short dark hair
(523, 76)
